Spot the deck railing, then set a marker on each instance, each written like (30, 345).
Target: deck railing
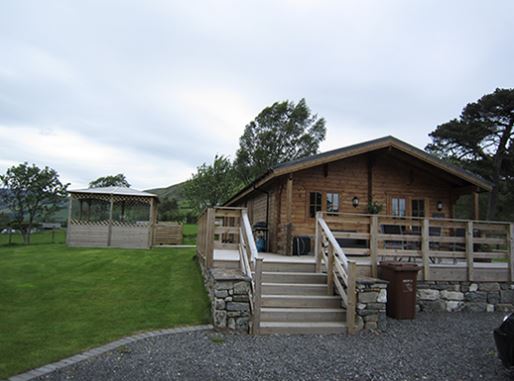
(341, 272)
(230, 228)
(430, 242)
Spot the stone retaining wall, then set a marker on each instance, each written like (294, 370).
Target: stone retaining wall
(371, 303)
(230, 303)
(434, 296)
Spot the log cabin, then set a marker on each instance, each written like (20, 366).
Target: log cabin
(385, 175)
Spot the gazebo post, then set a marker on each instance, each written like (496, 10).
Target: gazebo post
(109, 232)
(153, 217)
(69, 219)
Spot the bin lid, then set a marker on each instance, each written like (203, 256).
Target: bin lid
(400, 266)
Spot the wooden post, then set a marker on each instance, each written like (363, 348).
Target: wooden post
(469, 249)
(476, 206)
(289, 216)
(510, 242)
(257, 297)
(153, 215)
(68, 223)
(330, 270)
(425, 247)
(351, 297)
(209, 237)
(109, 228)
(317, 243)
(373, 244)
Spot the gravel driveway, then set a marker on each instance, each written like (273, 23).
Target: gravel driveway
(456, 346)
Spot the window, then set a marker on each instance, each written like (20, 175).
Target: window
(333, 202)
(314, 203)
(398, 207)
(418, 208)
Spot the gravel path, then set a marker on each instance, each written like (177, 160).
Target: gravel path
(456, 346)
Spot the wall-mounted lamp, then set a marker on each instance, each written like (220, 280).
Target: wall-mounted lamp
(355, 202)
(439, 205)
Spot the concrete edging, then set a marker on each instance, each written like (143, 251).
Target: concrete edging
(99, 350)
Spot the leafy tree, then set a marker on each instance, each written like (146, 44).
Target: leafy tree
(32, 193)
(282, 132)
(212, 184)
(482, 140)
(118, 180)
(169, 210)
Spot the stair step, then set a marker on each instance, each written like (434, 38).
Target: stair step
(301, 301)
(303, 314)
(323, 328)
(226, 264)
(288, 266)
(293, 277)
(294, 289)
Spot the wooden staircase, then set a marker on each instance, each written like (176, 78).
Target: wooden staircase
(295, 300)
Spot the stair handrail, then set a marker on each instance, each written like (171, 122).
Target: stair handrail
(341, 271)
(248, 234)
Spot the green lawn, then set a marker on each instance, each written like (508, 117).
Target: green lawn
(56, 301)
(189, 234)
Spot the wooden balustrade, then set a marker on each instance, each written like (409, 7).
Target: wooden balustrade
(428, 241)
(341, 272)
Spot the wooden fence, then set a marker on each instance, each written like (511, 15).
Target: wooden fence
(168, 233)
(435, 243)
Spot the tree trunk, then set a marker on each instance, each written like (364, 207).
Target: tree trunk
(498, 160)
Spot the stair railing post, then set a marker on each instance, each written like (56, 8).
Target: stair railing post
(425, 247)
(330, 270)
(351, 297)
(209, 239)
(469, 249)
(257, 297)
(317, 243)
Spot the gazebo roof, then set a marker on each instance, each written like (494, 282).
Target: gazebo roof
(117, 191)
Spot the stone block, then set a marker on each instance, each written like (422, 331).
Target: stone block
(241, 288)
(504, 307)
(220, 319)
(382, 321)
(382, 296)
(219, 304)
(376, 306)
(224, 285)
(237, 306)
(361, 306)
(240, 298)
(454, 306)
(432, 305)
(507, 296)
(220, 293)
(231, 323)
(475, 307)
(493, 297)
(242, 324)
(371, 325)
(489, 286)
(490, 308)
(475, 297)
(368, 297)
(452, 295)
(473, 287)
(428, 294)
(373, 318)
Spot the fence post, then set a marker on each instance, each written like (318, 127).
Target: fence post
(257, 297)
(510, 236)
(373, 244)
(469, 249)
(425, 247)
(317, 244)
(351, 297)
(209, 237)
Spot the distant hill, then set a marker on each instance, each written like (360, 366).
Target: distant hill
(173, 191)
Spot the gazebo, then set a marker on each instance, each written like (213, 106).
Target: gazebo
(111, 217)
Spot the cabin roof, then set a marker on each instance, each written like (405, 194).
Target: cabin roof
(359, 149)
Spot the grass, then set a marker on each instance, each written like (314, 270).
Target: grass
(56, 301)
(189, 234)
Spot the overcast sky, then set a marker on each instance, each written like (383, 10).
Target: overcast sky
(153, 89)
